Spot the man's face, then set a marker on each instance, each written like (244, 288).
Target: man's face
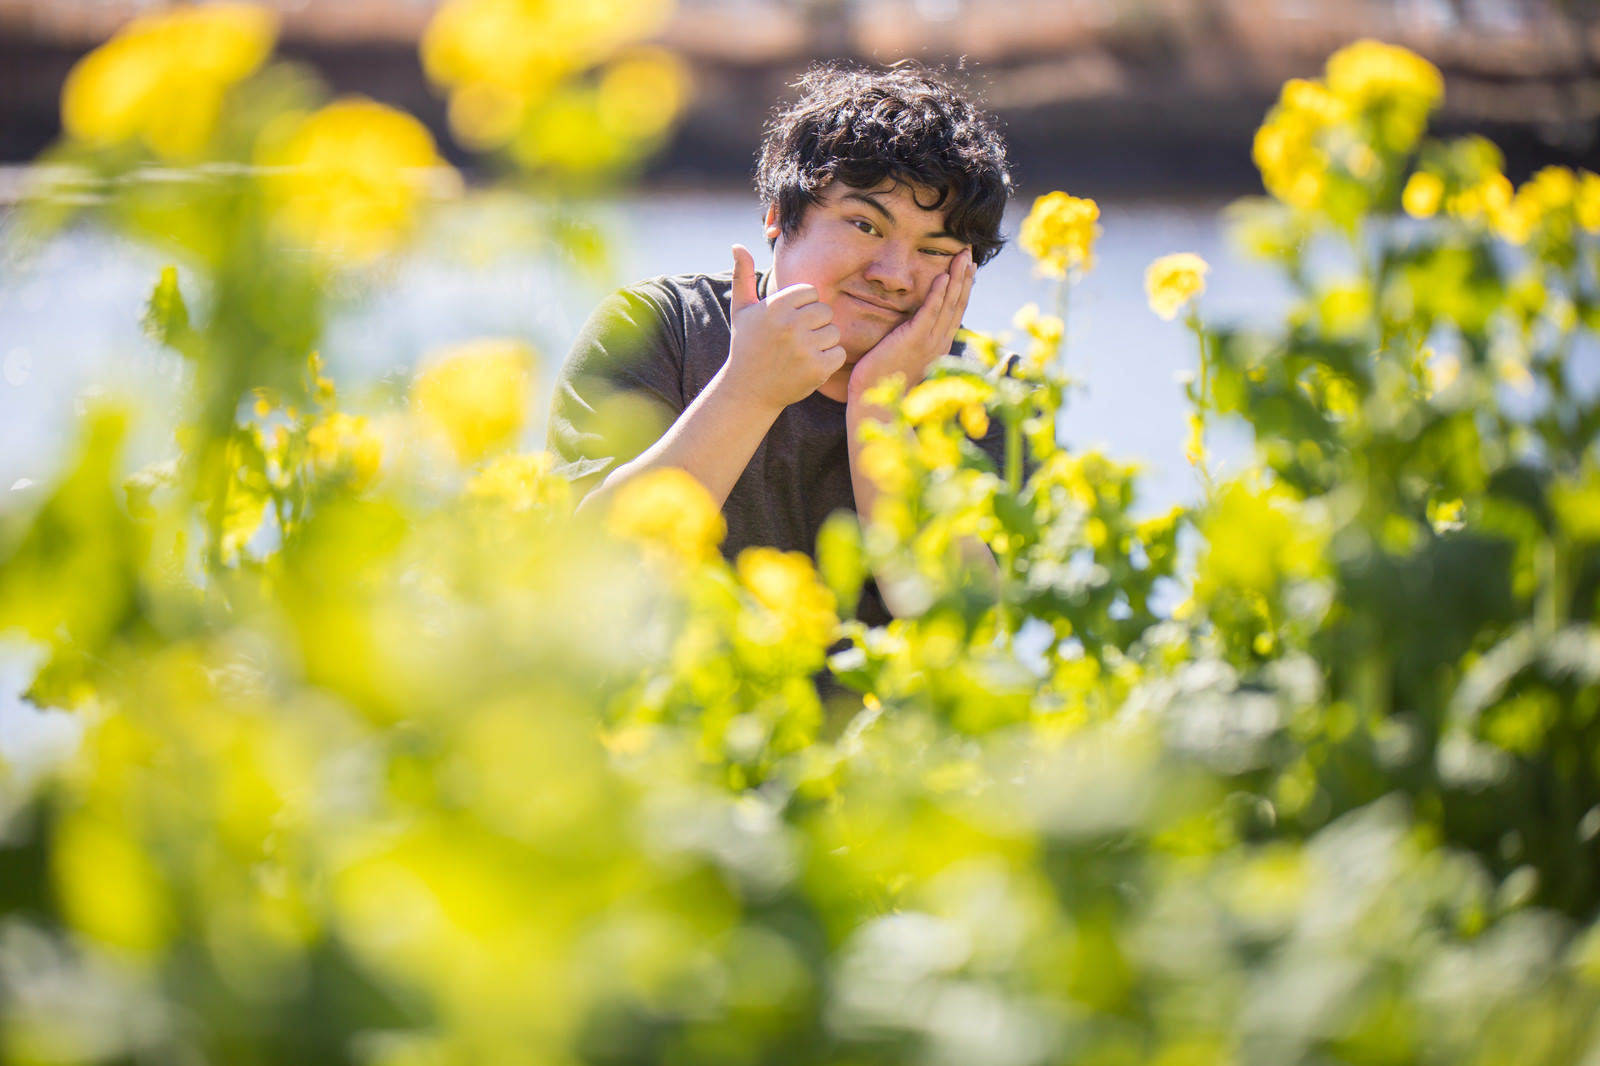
(872, 255)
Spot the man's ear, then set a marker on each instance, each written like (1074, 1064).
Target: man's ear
(773, 229)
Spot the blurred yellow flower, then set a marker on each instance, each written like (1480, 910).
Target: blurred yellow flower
(1374, 96)
(786, 584)
(1553, 201)
(936, 449)
(1257, 538)
(502, 60)
(1422, 195)
(1312, 99)
(886, 392)
(982, 346)
(1086, 477)
(349, 178)
(1059, 232)
(944, 398)
(1285, 147)
(642, 91)
(345, 447)
(475, 395)
(1174, 280)
(670, 510)
(1195, 449)
(520, 483)
(1446, 515)
(109, 886)
(1554, 188)
(883, 460)
(1515, 221)
(1487, 197)
(163, 76)
(1587, 204)
(1369, 73)
(1044, 330)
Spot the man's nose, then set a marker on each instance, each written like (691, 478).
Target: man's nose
(891, 267)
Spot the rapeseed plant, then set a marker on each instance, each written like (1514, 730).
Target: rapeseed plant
(428, 760)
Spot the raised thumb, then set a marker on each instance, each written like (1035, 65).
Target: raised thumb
(744, 278)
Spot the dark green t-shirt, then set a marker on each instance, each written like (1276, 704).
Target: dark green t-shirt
(643, 356)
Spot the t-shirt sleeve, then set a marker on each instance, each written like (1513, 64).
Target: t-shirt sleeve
(620, 387)
(993, 443)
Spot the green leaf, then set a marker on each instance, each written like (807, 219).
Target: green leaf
(840, 559)
(71, 577)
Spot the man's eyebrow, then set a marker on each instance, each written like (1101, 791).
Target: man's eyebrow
(871, 200)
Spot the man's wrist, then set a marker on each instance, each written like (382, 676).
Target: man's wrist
(727, 384)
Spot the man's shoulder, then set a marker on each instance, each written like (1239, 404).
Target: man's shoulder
(685, 290)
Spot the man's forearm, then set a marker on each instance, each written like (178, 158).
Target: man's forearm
(713, 440)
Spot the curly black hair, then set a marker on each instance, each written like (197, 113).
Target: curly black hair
(904, 124)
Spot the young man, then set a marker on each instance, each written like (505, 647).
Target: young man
(884, 192)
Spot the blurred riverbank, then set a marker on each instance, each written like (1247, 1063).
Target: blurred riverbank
(1146, 99)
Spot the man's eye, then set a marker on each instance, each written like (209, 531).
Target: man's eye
(864, 226)
(945, 252)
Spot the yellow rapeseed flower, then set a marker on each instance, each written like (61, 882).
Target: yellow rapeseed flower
(883, 460)
(786, 584)
(1044, 330)
(1285, 152)
(1313, 100)
(501, 59)
(1422, 195)
(1059, 232)
(1195, 449)
(1174, 280)
(475, 395)
(1369, 73)
(1555, 188)
(1587, 203)
(935, 449)
(1373, 94)
(1446, 515)
(668, 510)
(981, 346)
(345, 446)
(944, 398)
(1086, 475)
(162, 78)
(109, 885)
(886, 392)
(520, 483)
(350, 177)
(642, 92)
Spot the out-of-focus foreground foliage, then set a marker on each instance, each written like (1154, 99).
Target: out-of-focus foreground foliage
(390, 759)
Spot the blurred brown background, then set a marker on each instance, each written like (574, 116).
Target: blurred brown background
(1156, 97)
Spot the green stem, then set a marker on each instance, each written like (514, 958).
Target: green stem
(1008, 557)
(1013, 454)
(1551, 605)
(1202, 401)
(1062, 295)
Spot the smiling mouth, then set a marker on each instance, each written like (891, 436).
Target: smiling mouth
(883, 309)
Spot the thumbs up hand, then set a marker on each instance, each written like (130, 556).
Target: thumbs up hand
(784, 346)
